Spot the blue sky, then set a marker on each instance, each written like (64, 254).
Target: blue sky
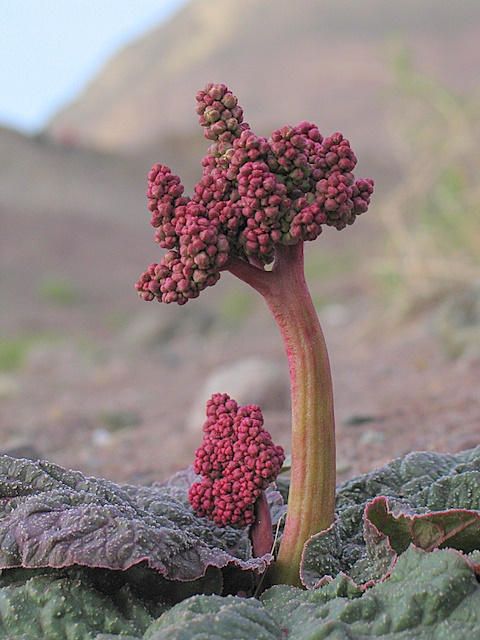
(49, 49)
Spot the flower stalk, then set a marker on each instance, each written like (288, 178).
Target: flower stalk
(312, 486)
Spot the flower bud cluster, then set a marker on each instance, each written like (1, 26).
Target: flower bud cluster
(194, 264)
(164, 194)
(336, 193)
(237, 460)
(255, 193)
(220, 114)
(196, 248)
(295, 152)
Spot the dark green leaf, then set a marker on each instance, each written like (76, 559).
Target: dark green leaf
(215, 618)
(415, 484)
(429, 596)
(58, 607)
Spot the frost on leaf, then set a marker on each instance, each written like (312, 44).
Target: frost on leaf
(51, 517)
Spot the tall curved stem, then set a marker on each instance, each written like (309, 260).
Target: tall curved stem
(312, 487)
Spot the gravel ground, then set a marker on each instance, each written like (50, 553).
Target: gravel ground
(120, 410)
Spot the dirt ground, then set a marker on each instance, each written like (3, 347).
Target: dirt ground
(107, 382)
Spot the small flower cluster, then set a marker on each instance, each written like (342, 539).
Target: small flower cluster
(237, 460)
(196, 247)
(254, 194)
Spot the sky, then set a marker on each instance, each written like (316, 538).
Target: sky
(49, 50)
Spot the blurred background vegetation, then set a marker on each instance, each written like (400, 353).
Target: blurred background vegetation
(431, 216)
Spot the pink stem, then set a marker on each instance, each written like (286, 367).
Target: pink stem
(312, 487)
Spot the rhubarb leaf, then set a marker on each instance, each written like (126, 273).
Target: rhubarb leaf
(452, 492)
(215, 618)
(415, 484)
(427, 597)
(455, 528)
(51, 517)
(59, 606)
(321, 556)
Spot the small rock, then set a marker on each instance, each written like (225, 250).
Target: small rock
(101, 438)
(149, 329)
(335, 315)
(343, 466)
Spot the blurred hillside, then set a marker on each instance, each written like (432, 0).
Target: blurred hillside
(307, 60)
(288, 61)
(91, 375)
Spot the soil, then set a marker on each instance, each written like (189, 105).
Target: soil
(107, 382)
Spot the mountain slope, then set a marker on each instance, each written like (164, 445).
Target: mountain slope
(39, 175)
(287, 61)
